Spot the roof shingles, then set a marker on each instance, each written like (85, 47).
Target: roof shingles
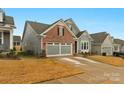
(99, 37)
(38, 27)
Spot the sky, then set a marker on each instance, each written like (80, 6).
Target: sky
(93, 20)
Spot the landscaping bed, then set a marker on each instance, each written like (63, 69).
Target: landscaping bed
(33, 70)
(116, 61)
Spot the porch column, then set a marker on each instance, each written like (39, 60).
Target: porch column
(77, 46)
(11, 39)
(2, 35)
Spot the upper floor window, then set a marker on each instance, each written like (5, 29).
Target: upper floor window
(16, 43)
(60, 31)
(1, 38)
(70, 27)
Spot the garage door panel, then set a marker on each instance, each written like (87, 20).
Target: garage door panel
(65, 49)
(58, 49)
(53, 50)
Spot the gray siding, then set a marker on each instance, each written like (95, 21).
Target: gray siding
(122, 48)
(84, 37)
(107, 46)
(96, 49)
(31, 41)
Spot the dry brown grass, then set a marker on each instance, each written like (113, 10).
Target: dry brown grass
(33, 70)
(106, 82)
(116, 61)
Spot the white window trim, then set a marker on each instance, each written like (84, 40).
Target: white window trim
(2, 38)
(87, 45)
(61, 30)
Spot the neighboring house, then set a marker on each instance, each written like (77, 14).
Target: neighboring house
(17, 42)
(56, 39)
(6, 31)
(118, 45)
(83, 42)
(103, 43)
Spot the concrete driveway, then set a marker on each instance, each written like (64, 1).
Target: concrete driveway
(95, 72)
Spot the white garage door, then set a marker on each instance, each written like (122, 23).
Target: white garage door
(58, 49)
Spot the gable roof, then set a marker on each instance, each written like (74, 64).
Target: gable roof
(9, 20)
(99, 37)
(80, 33)
(119, 41)
(38, 27)
(55, 23)
(16, 38)
(76, 27)
(41, 28)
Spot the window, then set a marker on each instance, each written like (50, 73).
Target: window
(70, 27)
(18, 43)
(87, 45)
(56, 43)
(14, 43)
(68, 43)
(1, 38)
(61, 31)
(62, 43)
(84, 45)
(50, 43)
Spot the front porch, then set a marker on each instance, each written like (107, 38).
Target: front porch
(6, 40)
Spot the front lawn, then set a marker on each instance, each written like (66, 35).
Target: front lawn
(116, 61)
(34, 70)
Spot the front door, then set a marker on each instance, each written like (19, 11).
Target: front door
(75, 46)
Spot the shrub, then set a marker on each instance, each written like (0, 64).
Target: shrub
(12, 55)
(21, 49)
(85, 54)
(14, 48)
(21, 53)
(2, 55)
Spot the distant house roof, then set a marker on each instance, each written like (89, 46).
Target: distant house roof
(16, 38)
(9, 20)
(80, 33)
(118, 41)
(99, 37)
(38, 27)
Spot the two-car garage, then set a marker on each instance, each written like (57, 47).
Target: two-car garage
(58, 49)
